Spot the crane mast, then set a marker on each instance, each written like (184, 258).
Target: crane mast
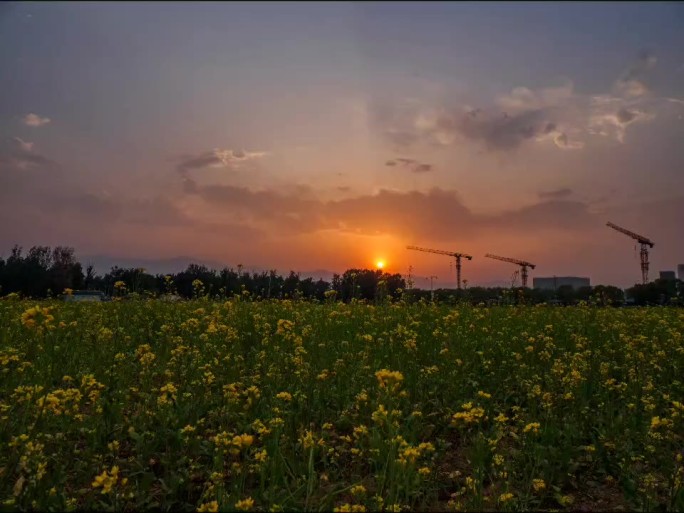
(644, 242)
(524, 265)
(454, 254)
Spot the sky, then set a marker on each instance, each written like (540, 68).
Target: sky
(328, 136)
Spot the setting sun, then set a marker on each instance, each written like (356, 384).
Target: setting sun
(380, 264)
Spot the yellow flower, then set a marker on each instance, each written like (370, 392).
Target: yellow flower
(358, 490)
(506, 497)
(308, 440)
(36, 316)
(107, 480)
(389, 379)
(538, 485)
(210, 507)
(533, 427)
(350, 508)
(245, 504)
(566, 500)
(243, 440)
(470, 416)
(285, 396)
(188, 429)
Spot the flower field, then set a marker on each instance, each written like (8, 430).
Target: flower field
(284, 405)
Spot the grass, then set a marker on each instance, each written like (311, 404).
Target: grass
(283, 405)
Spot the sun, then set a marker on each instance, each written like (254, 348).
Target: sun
(380, 264)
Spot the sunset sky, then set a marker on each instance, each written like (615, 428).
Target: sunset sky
(313, 136)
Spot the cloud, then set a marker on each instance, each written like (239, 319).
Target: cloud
(514, 119)
(35, 120)
(555, 194)
(105, 208)
(614, 122)
(559, 115)
(524, 99)
(435, 214)
(411, 164)
(631, 83)
(501, 131)
(22, 160)
(559, 138)
(422, 168)
(217, 158)
(23, 145)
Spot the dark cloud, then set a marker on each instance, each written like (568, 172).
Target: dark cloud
(632, 82)
(199, 162)
(216, 158)
(405, 126)
(422, 168)
(344, 188)
(22, 160)
(554, 214)
(555, 194)
(646, 61)
(413, 165)
(436, 214)
(625, 116)
(503, 131)
(32, 185)
(103, 208)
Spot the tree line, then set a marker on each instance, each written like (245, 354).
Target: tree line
(47, 272)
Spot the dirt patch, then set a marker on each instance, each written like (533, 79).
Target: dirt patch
(606, 496)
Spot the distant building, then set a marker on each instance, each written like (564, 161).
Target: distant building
(680, 272)
(555, 282)
(85, 295)
(667, 275)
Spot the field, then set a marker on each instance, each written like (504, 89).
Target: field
(289, 405)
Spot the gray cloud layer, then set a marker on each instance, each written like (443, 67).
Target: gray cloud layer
(411, 164)
(524, 116)
(437, 214)
(217, 158)
(555, 194)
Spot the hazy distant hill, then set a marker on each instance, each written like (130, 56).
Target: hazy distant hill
(103, 263)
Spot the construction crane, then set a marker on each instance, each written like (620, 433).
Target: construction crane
(522, 263)
(454, 254)
(645, 244)
(432, 292)
(514, 278)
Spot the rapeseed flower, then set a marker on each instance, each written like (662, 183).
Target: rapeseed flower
(208, 507)
(244, 504)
